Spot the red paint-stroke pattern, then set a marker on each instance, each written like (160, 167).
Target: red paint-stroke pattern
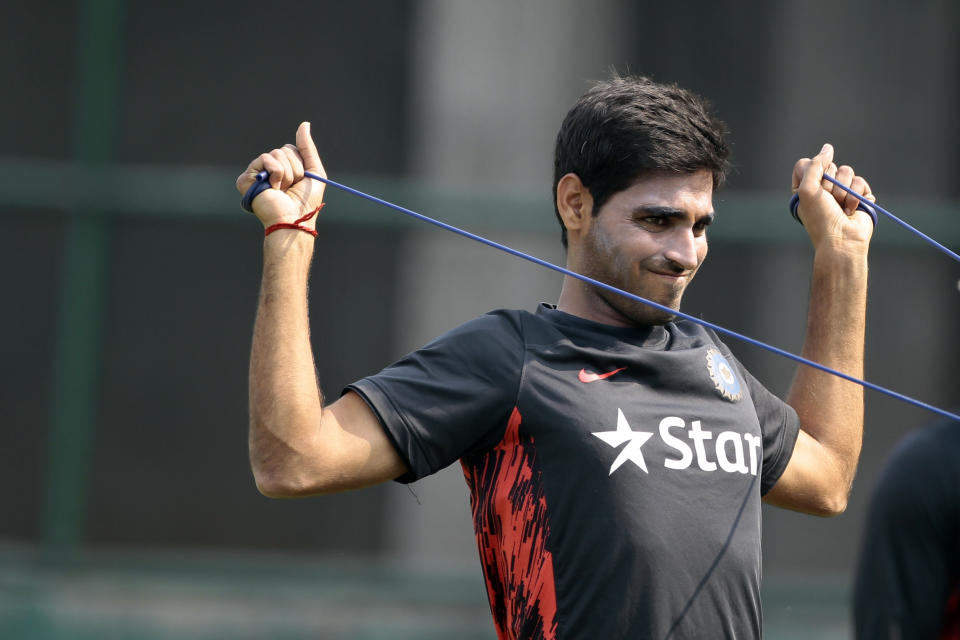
(951, 622)
(510, 520)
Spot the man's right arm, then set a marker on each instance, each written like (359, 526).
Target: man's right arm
(298, 447)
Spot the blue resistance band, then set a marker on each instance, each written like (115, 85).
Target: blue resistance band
(261, 184)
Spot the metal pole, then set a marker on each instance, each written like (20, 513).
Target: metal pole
(76, 365)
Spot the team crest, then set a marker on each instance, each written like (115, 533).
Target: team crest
(723, 376)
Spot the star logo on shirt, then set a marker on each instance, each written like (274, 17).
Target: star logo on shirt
(634, 439)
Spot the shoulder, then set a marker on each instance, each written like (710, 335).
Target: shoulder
(498, 325)
(545, 325)
(925, 456)
(496, 339)
(939, 440)
(920, 481)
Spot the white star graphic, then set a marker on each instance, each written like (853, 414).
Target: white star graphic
(623, 434)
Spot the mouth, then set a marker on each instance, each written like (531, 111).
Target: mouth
(671, 276)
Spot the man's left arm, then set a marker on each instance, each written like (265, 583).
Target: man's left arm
(820, 473)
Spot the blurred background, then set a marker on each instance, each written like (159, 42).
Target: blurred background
(132, 276)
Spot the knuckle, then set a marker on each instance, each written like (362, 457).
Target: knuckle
(808, 190)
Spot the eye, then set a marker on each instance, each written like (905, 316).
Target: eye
(653, 223)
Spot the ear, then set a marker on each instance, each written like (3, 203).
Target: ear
(575, 205)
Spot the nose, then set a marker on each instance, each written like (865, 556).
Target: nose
(683, 248)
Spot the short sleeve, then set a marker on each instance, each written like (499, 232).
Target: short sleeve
(779, 427)
(452, 397)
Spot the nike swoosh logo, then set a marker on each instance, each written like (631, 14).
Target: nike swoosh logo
(588, 376)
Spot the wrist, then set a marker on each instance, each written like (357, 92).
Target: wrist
(842, 272)
(288, 246)
(288, 234)
(841, 250)
(296, 225)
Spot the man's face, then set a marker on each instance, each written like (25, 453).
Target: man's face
(648, 239)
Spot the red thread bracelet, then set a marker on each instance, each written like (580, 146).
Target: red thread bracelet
(295, 224)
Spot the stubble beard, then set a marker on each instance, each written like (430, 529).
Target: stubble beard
(614, 271)
(637, 313)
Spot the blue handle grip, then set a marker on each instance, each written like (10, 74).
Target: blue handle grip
(260, 184)
(795, 204)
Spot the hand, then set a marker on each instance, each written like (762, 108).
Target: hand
(829, 213)
(292, 194)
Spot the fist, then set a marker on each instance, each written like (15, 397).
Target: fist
(830, 214)
(291, 194)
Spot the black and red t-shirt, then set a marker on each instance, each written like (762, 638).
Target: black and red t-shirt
(908, 571)
(615, 473)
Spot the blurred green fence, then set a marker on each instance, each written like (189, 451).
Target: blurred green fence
(120, 595)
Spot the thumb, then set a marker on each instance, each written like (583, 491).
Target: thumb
(825, 157)
(308, 150)
(813, 173)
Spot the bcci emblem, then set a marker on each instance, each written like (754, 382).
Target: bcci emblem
(723, 377)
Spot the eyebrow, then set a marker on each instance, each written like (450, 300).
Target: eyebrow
(670, 212)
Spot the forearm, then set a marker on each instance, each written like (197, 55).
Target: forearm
(285, 399)
(831, 408)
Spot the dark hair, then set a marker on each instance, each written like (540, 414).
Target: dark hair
(627, 126)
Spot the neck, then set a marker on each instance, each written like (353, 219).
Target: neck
(579, 299)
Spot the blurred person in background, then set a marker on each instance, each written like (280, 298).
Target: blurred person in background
(616, 456)
(908, 571)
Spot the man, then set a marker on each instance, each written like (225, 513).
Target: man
(616, 459)
(908, 572)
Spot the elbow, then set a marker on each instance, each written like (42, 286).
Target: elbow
(830, 505)
(831, 494)
(820, 502)
(271, 486)
(832, 509)
(833, 500)
(284, 469)
(289, 484)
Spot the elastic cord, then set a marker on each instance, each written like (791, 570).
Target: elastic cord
(596, 283)
(874, 205)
